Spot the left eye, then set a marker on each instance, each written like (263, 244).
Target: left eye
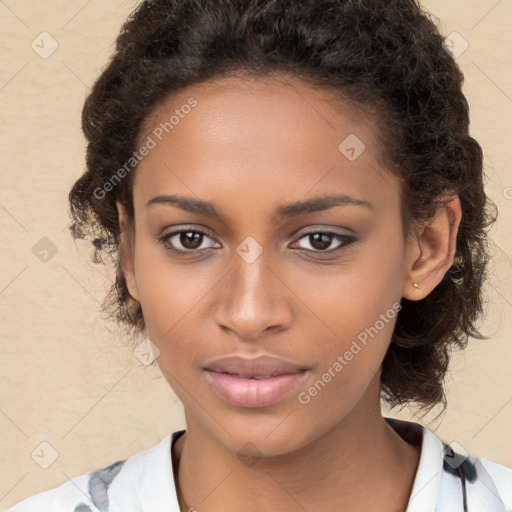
(319, 241)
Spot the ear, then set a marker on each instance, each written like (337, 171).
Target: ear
(127, 250)
(431, 251)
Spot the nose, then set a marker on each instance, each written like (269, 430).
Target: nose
(254, 299)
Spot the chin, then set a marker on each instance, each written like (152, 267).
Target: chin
(263, 439)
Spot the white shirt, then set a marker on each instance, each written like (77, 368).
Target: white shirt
(446, 481)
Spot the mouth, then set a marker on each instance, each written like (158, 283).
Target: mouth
(255, 377)
(264, 365)
(246, 390)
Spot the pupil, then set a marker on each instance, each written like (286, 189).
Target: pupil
(189, 239)
(321, 240)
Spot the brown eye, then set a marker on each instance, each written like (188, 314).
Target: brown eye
(186, 241)
(191, 239)
(320, 241)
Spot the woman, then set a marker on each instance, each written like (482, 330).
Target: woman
(298, 217)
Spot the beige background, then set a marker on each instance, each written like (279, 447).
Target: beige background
(68, 379)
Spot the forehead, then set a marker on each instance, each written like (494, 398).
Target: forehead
(265, 137)
(245, 104)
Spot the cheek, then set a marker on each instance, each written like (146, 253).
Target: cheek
(168, 292)
(353, 308)
(349, 360)
(351, 295)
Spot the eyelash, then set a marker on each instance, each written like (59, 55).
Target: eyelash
(348, 240)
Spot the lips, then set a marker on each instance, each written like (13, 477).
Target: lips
(254, 382)
(255, 377)
(261, 367)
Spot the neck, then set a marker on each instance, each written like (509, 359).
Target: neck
(361, 464)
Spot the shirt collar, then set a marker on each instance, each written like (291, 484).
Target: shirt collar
(425, 489)
(157, 487)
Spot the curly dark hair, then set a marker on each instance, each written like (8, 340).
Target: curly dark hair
(387, 59)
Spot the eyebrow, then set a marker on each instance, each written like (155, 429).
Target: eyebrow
(292, 209)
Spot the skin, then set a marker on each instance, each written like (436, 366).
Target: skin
(248, 147)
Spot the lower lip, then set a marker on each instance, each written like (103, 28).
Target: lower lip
(253, 392)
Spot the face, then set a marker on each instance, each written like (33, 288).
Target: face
(256, 279)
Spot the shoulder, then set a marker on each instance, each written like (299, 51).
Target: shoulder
(501, 477)
(83, 493)
(71, 496)
(95, 491)
(484, 484)
(448, 478)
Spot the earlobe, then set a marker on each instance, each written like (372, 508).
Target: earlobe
(432, 252)
(126, 250)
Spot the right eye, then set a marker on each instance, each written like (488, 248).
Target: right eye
(190, 239)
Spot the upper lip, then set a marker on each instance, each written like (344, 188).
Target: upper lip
(254, 366)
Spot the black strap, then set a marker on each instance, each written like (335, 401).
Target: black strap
(464, 495)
